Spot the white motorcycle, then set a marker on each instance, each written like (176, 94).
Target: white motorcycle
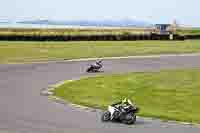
(95, 67)
(125, 114)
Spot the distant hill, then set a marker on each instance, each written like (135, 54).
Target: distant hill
(105, 23)
(4, 22)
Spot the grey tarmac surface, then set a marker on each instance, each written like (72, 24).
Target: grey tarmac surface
(24, 110)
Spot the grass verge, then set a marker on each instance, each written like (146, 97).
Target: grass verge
(170, 95)
(15, 52)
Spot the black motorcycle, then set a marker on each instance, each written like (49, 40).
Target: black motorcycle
(124, 114)
(95, 67)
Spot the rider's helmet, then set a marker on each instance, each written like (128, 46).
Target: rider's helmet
(99, 61)
(125, 101)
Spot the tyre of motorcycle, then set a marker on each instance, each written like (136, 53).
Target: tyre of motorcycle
(116, 115)
(129, 119)
(89, 69)
(95, 70)
(105, 116)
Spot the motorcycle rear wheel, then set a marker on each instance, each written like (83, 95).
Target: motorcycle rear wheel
(130, 119)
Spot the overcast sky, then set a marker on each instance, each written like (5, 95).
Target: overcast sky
(153, 11)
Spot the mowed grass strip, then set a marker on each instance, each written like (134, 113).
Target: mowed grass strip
(14, 52)
(170, 95)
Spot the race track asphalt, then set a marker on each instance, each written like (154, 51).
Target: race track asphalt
(24, 110)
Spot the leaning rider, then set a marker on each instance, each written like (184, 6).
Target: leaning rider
(123, 103)
(98, 63)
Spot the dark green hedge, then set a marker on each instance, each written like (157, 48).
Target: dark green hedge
(126, 37)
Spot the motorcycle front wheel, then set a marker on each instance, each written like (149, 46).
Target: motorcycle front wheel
(105, 116)
(89, 69)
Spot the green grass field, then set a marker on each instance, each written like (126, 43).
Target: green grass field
(16, 52)
(190, 31)
(170, 95)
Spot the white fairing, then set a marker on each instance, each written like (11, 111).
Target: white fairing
(111, 110)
